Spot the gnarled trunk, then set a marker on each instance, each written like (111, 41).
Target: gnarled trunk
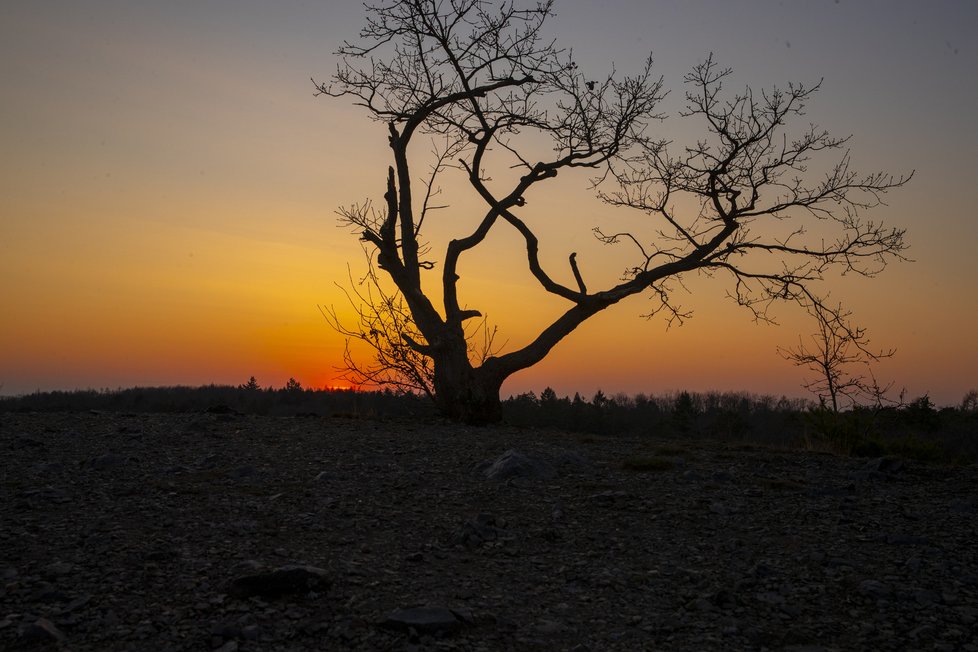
(463, 393)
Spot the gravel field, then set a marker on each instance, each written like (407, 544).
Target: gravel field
(230, 532)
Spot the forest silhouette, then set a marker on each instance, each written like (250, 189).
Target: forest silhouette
(915, 429)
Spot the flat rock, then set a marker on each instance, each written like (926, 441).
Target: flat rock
(287, 580)
(424, 620)
(243, 472)
(42, 630)
(106, 461)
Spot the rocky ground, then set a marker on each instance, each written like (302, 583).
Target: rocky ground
(229, 532)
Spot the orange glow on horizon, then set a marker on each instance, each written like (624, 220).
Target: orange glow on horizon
(348, 387)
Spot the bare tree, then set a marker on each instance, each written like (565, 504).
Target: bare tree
(485, 82)
(969, 403)
(840, 356)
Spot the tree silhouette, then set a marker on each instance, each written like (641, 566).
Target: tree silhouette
(251, 386)
(486, 84)
(841, 358)
(969, 403)
(293, 386)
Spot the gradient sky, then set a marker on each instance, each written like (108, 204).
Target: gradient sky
(168, 186)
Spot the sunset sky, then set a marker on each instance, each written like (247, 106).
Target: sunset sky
(168, 188)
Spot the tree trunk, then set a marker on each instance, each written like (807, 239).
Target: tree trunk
(466, 394)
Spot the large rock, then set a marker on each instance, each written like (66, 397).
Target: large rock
(514, 464)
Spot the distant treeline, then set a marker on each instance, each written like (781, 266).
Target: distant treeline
(292, 400)
(728, 415)
(915, 429)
